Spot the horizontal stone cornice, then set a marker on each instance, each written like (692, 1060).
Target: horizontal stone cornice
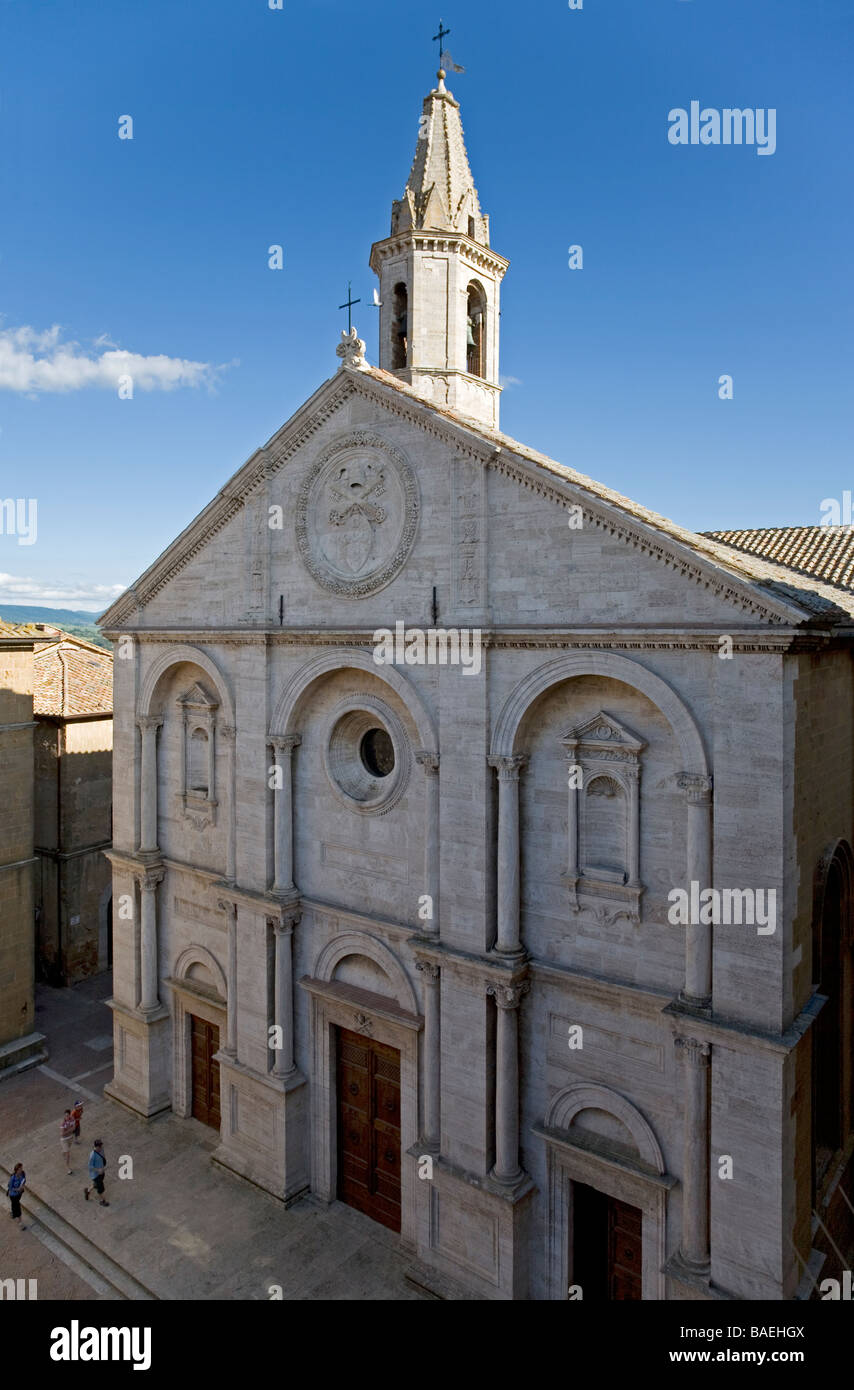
(632, 637)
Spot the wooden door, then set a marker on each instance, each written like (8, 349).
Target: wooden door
(368, 1075)
(606, 1246)
(204, 1043)
(624, 1250)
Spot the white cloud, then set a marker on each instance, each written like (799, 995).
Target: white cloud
(95, 597)
(506, 381)
(32, 361)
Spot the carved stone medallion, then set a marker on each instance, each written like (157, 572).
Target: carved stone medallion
(357, 515)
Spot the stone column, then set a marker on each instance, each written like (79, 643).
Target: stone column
(430, 764)
(228, 735)
(283, 882)
(230, 909)
(149, 998)
(633, 774)
(432, 1054)
(698, 939)
(507, 939)
(573, 768)
(283, 996)
(508, 998)
(695, 1175)
(148, 726)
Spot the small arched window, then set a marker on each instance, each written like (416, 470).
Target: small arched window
(197, 772)
(475, 331)
(400, 328)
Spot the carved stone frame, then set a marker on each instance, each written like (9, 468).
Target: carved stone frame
(198, 711)
(358, 441)
(336, 1006)
(603, 747)
(643, 1183)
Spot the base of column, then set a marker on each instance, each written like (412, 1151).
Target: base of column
(264, 1132)
(142, 1051)
(690, 1282)
(473, 1230)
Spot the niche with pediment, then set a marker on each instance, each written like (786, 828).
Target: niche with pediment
(603, 850)
(198, 756)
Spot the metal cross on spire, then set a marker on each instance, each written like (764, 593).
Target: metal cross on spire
(440, 39)
(348, 305)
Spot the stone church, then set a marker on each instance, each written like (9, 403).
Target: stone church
(543, 960)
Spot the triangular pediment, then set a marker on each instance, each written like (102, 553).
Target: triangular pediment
(603, 731)
(754, 589)
(198, 698)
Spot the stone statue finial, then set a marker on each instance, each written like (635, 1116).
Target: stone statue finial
(351, 350)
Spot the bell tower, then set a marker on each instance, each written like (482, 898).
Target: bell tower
(440, 282)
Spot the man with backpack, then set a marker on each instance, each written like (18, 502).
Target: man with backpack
(97, 1168)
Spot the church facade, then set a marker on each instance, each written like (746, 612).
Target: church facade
(482, 841)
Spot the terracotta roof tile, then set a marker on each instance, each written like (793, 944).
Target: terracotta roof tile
(823, 552)
(72, 677)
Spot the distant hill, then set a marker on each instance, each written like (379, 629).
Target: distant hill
(76, 621)
(57, 617)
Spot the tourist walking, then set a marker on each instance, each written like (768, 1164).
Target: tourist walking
(97, 1168)
(15, 1188)
(66, 1138)
(77, 1115)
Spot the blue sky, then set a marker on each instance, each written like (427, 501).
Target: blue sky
(255, 126)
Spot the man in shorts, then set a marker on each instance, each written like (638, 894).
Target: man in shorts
(66, 1138)
(97, 1168)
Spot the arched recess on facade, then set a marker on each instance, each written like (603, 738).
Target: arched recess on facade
(296, 693)
(177, 656)
(613, 667)
(569, 1103)
(363, 944)
(199, 955)
(833, 978)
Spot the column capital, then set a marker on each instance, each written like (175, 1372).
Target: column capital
(150, 878)
(429, 761)
(145, 722)
(284, 743)
(507, 767)
(227, 731)
(697, 787)
(694, 1051)
(429, 970)
(227, 905)
(285, 922)
(508, 996)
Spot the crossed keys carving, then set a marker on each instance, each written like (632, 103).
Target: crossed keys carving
(362, 506)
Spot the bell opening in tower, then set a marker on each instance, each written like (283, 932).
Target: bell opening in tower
(475, 319)
(400, 328)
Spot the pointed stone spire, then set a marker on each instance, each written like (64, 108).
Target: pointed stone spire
(440, 194)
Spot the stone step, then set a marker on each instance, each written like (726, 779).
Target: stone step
(117, 1280)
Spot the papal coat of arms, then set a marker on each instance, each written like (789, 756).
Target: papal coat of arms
(357, 515)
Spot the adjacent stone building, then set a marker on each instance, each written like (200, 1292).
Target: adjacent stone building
(21, 1045)
(73, 708)
(407, 933)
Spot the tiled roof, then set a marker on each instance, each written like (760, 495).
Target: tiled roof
(72, 677)
(825, 552)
